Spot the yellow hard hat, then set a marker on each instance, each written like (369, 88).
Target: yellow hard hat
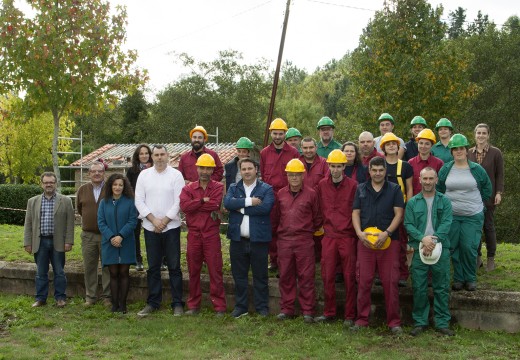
(278, 124)
(388, 137)
(426, 134)
(201, 129)
(337, 157)
(206, 160)
(373, 238)
(295, 166)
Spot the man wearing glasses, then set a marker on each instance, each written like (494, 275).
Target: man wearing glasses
(48, 235)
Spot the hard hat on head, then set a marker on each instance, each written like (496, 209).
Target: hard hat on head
(458, 140)
(295, 166)
(386, 116)
(244, 143)
(278, 124)
(418, 120)
(206, 160)
(337, 157)
(426, 134)
(292, 132)
(325, 121)
(373, 238)
(201, 129)
(388, 137)
(434, 257)
(443, 122)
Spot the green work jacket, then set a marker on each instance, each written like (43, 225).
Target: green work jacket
(478, 172)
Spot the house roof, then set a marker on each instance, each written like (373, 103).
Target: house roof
(120, 155)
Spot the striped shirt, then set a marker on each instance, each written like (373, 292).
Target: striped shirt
(47, 215)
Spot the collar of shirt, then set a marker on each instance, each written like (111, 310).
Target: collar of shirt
(52, 198)
(249, 188)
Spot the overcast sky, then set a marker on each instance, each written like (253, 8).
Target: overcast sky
(318, 30)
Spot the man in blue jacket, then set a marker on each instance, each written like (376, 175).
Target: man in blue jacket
(249, 202)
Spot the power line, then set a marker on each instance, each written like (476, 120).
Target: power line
(208, 26)
(341, 5)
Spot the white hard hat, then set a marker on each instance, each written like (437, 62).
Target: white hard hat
(435, 255)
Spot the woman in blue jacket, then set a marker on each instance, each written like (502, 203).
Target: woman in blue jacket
(117, 218)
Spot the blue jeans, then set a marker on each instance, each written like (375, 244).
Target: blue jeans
(45, 254)
(245, 254)
(166, 244)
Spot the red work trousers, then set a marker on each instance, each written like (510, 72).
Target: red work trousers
(296, 265)
(404, 272)
(341, 250)
(205, 249)
(387, 263)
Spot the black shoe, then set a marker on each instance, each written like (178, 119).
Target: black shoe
(357, 328)
(457, 286)
(402, 283)
(418, 330)
(238, 313)
(377, 281)
(396, 330)
(139, 266)
(308, 319)
(273, 267)
(284, 316)
(192, 312)
(339, 278)
(446, 332)
(164, 267)
(470, 286)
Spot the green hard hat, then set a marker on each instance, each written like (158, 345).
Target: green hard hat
(386, 116)
(458, 140)
(292, 132)
(325, 121)
(443, 122)
(244, 143)
(418, 120)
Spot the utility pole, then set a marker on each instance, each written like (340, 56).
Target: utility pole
(276, 74)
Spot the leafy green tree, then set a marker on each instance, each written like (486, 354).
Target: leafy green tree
(223, 93)
(405, 66)
(25, 143)
(66, 57)
(457, 20)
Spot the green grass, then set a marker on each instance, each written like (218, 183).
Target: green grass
(76, 332)
(504, 278)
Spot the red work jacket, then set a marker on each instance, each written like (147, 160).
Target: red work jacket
(319, 170)
(298, 217)
(189, 170)
(418, 164)
(272, 165)
(336, 206)
(198, 212)
(372, 155)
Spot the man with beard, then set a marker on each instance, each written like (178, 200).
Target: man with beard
(273, 160)
(187, 167)
(327, 143)
(428, 219)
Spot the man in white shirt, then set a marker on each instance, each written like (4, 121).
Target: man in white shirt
(157, 200)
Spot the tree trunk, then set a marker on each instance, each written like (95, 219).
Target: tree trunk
(55, 163)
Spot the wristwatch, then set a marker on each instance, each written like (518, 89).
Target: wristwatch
(389, 233)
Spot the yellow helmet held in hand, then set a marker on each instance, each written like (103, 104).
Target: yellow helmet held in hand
(373, 238)
(206, 160)
(295, 166)
(278, 124)
(337, 157)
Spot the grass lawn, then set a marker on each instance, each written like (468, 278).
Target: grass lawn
(504, 278)
(76, 332)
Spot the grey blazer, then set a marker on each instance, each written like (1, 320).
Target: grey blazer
(63, 223)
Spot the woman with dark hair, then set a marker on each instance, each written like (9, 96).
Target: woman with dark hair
(355, 168)
(467, 185)
(141, 159)
(117, 217)
(491, 159)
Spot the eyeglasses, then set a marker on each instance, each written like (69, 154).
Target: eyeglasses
(97, 171)
(49, 182)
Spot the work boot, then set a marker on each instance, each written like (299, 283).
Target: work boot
(490, 266)
(479, 262)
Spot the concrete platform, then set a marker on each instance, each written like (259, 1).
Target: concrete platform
(486, 310)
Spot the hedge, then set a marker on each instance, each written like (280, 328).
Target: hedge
(15, 196)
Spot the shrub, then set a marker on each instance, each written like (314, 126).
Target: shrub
(15, 196)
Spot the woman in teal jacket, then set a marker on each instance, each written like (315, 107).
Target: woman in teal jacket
(117, 218)
(468, 186)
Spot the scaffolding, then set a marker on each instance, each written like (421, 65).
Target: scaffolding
(80, 153)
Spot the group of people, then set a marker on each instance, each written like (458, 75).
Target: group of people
(356, 208)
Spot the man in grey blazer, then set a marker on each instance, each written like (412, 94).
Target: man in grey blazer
(49, 234)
